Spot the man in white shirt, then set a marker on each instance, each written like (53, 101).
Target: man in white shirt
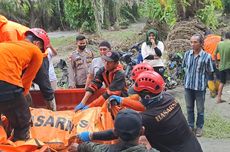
(97, 63)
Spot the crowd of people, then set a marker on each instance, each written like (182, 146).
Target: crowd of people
(27, 58)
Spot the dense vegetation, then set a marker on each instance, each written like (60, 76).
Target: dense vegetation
(94, 15)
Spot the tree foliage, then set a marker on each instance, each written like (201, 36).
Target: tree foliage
(208, 14)
(226, 5)
(79, 14)
(161, 10)
(94, 15)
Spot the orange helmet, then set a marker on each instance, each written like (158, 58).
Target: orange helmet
(137, 69)
(150, 81)
(40, 33)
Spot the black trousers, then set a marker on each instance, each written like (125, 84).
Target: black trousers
(14, 106)
(42, 80)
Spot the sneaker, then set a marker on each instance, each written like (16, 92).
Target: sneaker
(199, 132)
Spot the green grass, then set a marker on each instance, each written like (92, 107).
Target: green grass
(216, 127)
(63, 41)
(118, 36)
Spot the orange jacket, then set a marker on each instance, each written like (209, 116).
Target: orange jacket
(11, 31)
(15, 56)
(114, 81)
(132, 102)
(210, 45)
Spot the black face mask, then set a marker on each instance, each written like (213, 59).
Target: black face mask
(82, 47)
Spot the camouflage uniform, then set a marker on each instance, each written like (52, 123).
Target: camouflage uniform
(79, 66)
(121, 147)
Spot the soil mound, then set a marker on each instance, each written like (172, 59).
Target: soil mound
(178, 38)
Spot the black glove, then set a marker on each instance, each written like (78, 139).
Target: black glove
(150, 57)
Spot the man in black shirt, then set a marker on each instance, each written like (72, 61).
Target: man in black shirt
(165, 125)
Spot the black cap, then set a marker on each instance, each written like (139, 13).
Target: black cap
(111, 56)
(106, 44)
(128, 124)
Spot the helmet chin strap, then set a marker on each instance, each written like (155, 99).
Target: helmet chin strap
(149, 100)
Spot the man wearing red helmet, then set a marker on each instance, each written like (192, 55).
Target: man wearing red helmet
(42, 77)
(165, 125)
(137, 69)
(14, 84)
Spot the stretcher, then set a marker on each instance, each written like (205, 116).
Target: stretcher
(66, 99)
(51, 131)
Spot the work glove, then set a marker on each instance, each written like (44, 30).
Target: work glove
(118, 99)
(85, 107)
(80, 106)
(84, 136)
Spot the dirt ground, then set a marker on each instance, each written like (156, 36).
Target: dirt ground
(210, 144)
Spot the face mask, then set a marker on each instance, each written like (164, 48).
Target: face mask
(82, 47)
(146, 101)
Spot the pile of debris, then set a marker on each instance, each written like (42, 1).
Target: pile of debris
(178, 39)
(141, 36)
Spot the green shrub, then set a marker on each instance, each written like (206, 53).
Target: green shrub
(152, 9)
(79, 14)
(226, 5)
(208, 16)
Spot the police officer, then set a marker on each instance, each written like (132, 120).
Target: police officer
(80, 61)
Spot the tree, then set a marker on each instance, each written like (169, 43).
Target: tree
(188, 8)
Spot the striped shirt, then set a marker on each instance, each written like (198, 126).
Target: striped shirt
(197, 69)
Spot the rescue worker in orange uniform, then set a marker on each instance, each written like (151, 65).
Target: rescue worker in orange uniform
(14, 84)
(11, 31)
(210, 45)
(112, 75)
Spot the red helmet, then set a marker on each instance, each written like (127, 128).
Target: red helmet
(150, 81)
(137, 69)
(40, 33)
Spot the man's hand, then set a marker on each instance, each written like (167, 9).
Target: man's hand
(85, 136)
(73, 147)
(80, 106)
(118, 99)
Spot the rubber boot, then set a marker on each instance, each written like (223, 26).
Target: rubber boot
(52, 105)
(212, 88)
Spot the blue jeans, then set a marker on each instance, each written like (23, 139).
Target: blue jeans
(190, 97)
